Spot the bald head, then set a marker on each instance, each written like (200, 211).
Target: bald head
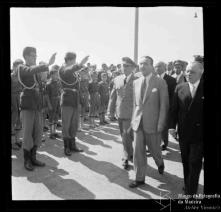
(194, 71)
(160, 67)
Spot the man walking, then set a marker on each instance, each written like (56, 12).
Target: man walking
(151, 104)
(187, 112)
(121, 99)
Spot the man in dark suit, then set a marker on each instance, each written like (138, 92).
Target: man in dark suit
(151, 104)
(160, 69)
(121, 100)
(187, 112)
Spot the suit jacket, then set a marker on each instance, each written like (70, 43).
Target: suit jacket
(181, 79)
(187, 112)
(153, 108)
(121, 97)
(171, 85)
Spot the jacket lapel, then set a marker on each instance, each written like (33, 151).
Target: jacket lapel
(149, 89)
(197, 95)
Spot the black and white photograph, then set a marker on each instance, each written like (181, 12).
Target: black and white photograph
(107, 103)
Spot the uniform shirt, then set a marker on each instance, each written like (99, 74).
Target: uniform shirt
(52, 89)
(31, 97)
(69, 85)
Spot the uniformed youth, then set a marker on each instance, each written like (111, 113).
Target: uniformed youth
(53, 97)
(15, 105)
(70, 101)
(31, 106)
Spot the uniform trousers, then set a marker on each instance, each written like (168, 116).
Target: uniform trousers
(32, 123)
(124, 125)
(153, 141)
(70, 117)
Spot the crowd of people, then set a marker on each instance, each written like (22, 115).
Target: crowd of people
(148, 100)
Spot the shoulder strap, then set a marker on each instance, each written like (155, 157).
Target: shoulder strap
(70, 84)
(20, 81)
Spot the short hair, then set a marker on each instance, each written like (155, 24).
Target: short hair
(17, 62)
(150, 58)
(69, 56)
(103, 73)
(27, 51)
(199, 58)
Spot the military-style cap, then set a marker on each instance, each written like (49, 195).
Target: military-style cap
(17, 62)
(178, 62)
(128, 61)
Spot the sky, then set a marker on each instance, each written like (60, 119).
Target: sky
(106, 34)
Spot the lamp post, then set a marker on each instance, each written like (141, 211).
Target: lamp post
(136, 35)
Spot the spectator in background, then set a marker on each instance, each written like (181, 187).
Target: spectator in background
(94, 98)
(160, 69)
(170, 69)
(16, 89)
(84, 95)
(104, 97)
(179, 72)
(53, 101)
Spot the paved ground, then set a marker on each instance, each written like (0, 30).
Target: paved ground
(95, 174)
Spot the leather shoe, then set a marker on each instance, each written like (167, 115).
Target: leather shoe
(164, 147)
(125, 164)
(161, 169)
(135, 184)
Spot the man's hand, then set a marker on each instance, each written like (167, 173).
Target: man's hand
(52, 59)
(84, 60)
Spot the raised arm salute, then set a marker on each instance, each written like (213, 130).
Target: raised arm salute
(31, 105)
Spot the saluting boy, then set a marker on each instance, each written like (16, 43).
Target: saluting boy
(53, 93)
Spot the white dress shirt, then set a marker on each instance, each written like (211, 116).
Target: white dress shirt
(195, 85)
(162, 75)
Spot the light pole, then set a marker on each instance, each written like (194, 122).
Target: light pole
(136, 35)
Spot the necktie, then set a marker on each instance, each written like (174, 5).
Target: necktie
(125, 80)
(144, 85)
(193, 91)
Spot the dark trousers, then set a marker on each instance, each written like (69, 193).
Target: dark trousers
(192, 156)
(164, 136)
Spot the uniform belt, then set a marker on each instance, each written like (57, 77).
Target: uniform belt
(69, 89)
(36, 88)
